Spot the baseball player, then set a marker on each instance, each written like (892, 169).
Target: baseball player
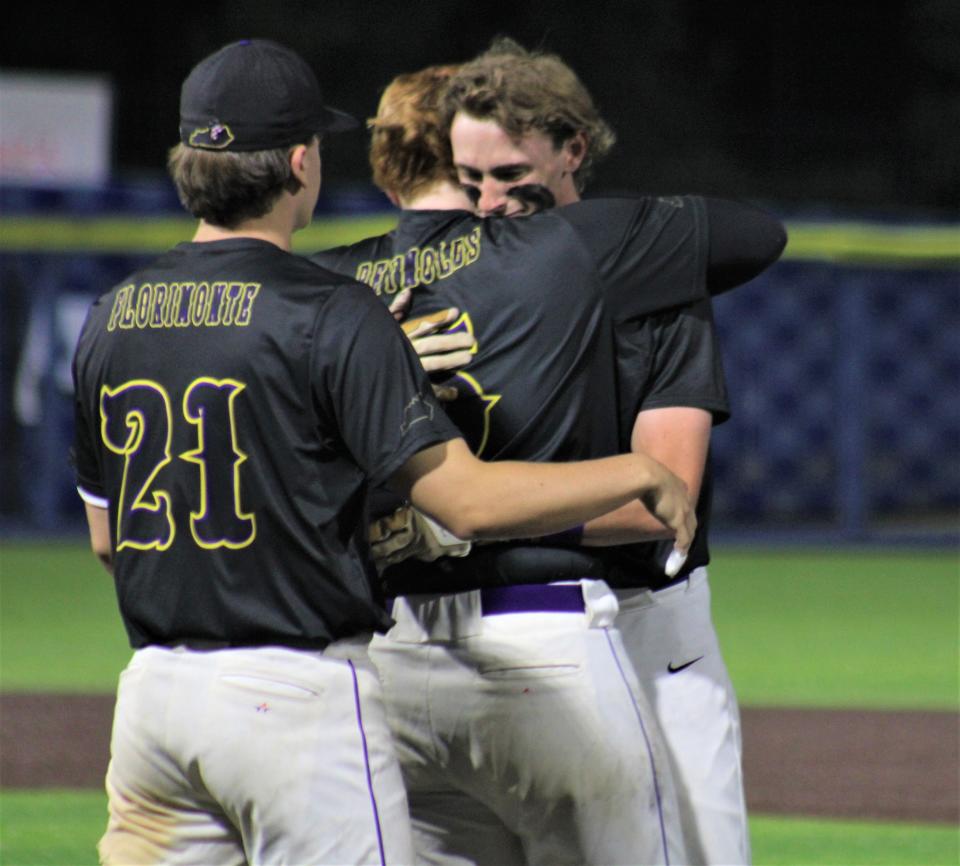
(510, 127)
(233, 402)
(514, 736)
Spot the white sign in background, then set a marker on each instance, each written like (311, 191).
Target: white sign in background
(55, 129)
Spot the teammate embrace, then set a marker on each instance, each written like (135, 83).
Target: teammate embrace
(226, 474)
(490, 666)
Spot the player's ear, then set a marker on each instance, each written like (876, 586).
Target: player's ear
(299, 160)
(575, 149)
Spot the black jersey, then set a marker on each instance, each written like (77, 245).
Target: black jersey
(233, 403)
(545, 297)
(535, 387)
(668, 359)
(541, 296)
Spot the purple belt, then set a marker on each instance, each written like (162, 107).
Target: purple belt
(531, 598)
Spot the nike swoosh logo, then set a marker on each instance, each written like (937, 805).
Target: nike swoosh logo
(675, 670)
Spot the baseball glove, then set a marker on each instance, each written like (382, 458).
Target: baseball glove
(408, 533)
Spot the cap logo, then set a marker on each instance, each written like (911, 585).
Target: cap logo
(218, 136)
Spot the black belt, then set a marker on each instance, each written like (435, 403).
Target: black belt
(499, 565)
(496, 565)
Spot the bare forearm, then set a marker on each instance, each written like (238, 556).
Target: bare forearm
(517, 500)
(678, 437)
(536, 499)
(98, 523)
(629, 524)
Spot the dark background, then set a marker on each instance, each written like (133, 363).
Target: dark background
(837, 105)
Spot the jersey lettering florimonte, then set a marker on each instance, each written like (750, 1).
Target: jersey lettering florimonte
(420, 265)
(221, 418)
(183, 305)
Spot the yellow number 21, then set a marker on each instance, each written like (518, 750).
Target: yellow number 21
(137, 424)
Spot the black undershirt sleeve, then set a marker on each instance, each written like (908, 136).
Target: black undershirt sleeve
(744, 241)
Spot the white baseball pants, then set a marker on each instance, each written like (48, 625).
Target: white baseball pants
(672, 644)
(263, 755)
(523, 735)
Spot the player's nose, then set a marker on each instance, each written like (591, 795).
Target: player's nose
(493, 198)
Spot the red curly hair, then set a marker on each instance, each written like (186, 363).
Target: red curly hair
(409, 145)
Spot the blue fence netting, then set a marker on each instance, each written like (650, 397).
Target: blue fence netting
(845, 385)
(844, 378)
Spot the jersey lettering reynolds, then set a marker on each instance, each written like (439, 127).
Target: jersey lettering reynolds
(183, 305)
(420, 266)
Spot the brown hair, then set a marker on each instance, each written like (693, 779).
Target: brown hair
(524, 91)
(409, 145)
(225, 188)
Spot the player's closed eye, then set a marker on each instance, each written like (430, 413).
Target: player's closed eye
(511, 173)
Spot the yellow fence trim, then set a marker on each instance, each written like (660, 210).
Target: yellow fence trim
(873, 244)
(142, 234)
(845, 243)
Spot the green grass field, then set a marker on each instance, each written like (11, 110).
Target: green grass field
(70, 822)
(832, 628)
(798, 628)
(870, 629)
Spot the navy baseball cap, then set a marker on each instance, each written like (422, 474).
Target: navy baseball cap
(254, 95)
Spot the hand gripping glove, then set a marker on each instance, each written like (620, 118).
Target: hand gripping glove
(408, 533)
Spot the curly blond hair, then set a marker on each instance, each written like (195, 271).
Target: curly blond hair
(524, 91)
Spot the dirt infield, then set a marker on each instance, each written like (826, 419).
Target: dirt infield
(824, 763)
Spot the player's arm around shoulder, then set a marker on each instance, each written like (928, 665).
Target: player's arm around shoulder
(745, 240)
(509, 499)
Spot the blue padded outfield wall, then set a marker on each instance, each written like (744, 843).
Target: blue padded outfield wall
(845, 387)
(843, 363)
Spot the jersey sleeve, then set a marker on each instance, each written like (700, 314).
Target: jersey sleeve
(651, 253)
(84, 453)
(372, 387)
(672, 359)
(744, 241)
